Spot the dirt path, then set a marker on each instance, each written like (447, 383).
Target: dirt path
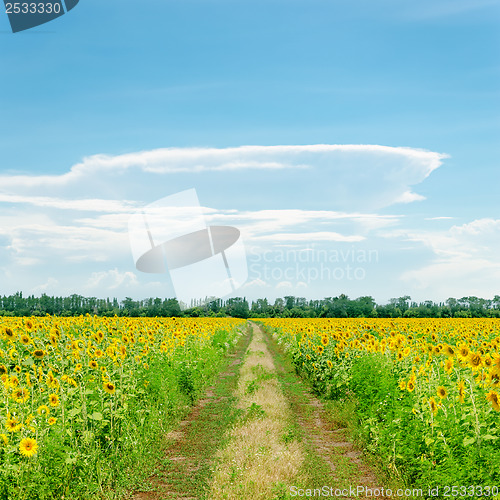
(260, 434)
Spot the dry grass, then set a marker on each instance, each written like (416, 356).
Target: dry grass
(257, 461)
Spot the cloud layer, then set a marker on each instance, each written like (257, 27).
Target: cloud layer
(74, 225)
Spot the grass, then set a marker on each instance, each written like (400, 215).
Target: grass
(262, 457)
(203, 433)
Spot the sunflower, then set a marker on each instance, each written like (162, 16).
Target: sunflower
(487, 361)
(449, 351)
(475, 360)
(402, 385)
(25, 339)
(38, 353)
(463, 353)
(13, 424)
(73, 382)
(21, 395)
(3, 370)
(10, 334)
(324, 340)
(448, 366)
(441, 392)
(410, 386)
(433, 405)
(4, 439)
(52, 420)
(54, 400)
(28, 447)
(329, 363)
(109, 387)
(93, 363)
(78, 367)
(461, 391)
(496, 361)
(43, 410)
(494, 377)
(494, 399)
(320, 349)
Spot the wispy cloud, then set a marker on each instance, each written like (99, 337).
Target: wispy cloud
(338, 176)
(465, 260)
(85, 205)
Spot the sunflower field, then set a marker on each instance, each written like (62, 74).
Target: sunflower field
(83, 398)
(425, 392)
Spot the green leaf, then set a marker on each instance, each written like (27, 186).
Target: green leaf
(468, 441)
(428, 441)
(74, 412)
(28, 362)
(489, 437)
(96, 416)
(70, 460)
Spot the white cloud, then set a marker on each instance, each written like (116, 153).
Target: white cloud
(333, 176)
(49, 287)
(256, 283)
(111, 280)
(439, 218)
(276, 195)
(409, 197)
(267, 224)
(310, 237)
(87, 204)
(284, 284)
(466, 260)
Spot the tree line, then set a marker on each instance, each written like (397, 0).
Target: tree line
(239, 307)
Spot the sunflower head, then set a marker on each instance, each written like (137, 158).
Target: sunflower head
(13, 424)
(10, 334)
(109, 387)
(494, 399)
(475, 360)
(25, 339)
(43, 410)
(433, 405)
(441, 392)
(461, 391)
(28, 447)
(449, 350)
(54, 400)
(38, 353)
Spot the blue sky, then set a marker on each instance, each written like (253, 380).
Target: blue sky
(123, 93)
